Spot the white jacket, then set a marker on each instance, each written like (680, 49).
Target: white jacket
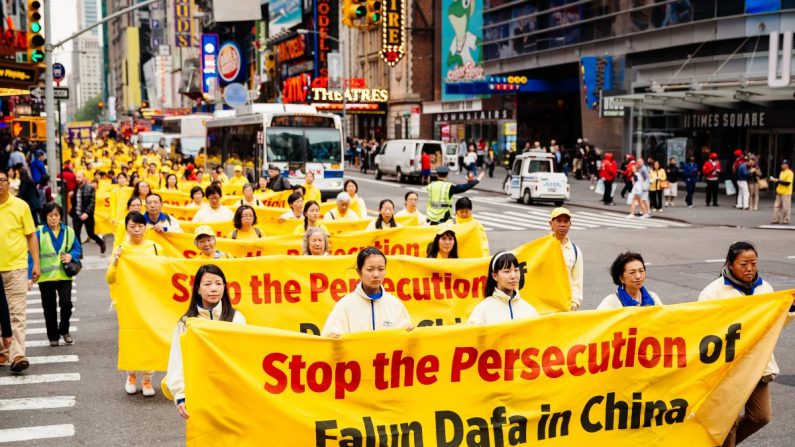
(420, 217)
(574, 267)
(612, 302)
(356, 312)
(718, 289)
(175, 377)
(499, 307)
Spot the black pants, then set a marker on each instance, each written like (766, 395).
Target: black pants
(712, 192)
(691, 189)
(627, 188)
(89, 224)
(64, 290)
(656, 199)
(607, 198)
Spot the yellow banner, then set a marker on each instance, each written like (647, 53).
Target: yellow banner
(297, 293)
(663, 376)
(347, 237)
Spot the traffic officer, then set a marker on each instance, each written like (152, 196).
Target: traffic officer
(440, 195)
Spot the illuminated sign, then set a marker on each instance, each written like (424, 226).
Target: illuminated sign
(351, 95)
(296, 88)
(291, 49)
(209, 63)
(393, 32)
(230, 62)
(326, 29)
(183, 20)
(17, 75)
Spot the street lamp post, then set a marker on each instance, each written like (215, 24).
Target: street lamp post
(344, 74)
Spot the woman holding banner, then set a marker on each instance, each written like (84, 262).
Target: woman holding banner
(171, 182)
(248, 196)
(410, 208)
(316, 242)
(215, 212)
(352, 188)
(369, 307)
(629, 274)
(141, 190)
(296, 203)
(386, 216)
(262, 186)
(135, 223)
(343, 210)
(444, 245)
(210, 301)
(740, 277)
(245, 220)
(197, 198)
(311, 218)
(133, 204)
(502, 302)
(311, 191)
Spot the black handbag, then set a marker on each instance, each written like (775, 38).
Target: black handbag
(73, 267)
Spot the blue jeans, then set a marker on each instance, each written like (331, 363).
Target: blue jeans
(691, 189)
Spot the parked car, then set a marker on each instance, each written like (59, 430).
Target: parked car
(403, 158)
(533, 180)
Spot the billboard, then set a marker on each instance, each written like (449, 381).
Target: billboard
(461, 48)
(284, 14)
(758, 6)
(209, 63)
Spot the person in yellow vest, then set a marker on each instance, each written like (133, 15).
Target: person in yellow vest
(238, 179)
(440, 195)
(135, 243)
(204, 240)
(57, 246)
(342, 211)
(312, 192)
(783, 206)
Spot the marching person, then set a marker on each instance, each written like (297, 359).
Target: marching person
(369, 307)
(444, 245)
(311, 191)
(83, 203)
(343, 210)
(6, 336)
(311, 218)
(296, 203)
(440, 195)
(316, 242)
(352, 188)
(248, 196)
(740, 277)
(19, 239)
(214, 212)
(629, 274)
(783, 205)
(410, 208)
(156, 219)
(133, 204)
(58, 245)
(560, 223)
(209, 301)
(386, 216)
(245, 222)
(238, 179)
(276, 182)
(502, 301)
(135, 223)
(197, 198)
(204, 240)
(711, 171)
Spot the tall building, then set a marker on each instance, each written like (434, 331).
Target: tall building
(86, 74)
(123, 75)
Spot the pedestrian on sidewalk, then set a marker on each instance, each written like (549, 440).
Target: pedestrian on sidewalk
(711, 171)
(462, 152)
(640, 192)
(690, 174)
(626, 173)
(754, 175)
(560, 223)
(19, 239)
(608, 174)
(743, 193)
(672, 173)
(58, 245)
(783, 205)
(425, 168)
(470, 160)
(658, 179)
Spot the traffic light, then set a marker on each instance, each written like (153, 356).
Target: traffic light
(270, 65)
(374, 12)
(100, 105)
(353, 10)
(35, 36)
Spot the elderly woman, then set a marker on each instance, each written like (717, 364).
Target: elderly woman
(343, 210)
(629, 274)
(316, 242)
(204, 240)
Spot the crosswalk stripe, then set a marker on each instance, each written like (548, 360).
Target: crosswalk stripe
(486, 221)
(42, 330)
(37, 403)
(71, 320)
(33, 433)
(37, 301)
(618, 222)
(38, 292)
(36, 343)
(39, 310)
(47, 359)
(666, 222)
(545, 220)
(518, 224)
(39, 378)
(649, 222)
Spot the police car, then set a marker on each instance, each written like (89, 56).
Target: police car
(533, 180)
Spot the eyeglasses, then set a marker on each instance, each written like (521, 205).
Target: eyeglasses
(3, 180)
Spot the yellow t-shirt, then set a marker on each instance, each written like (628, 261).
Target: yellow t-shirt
(238, 181)
(312, 193)
(16, 222)
(299, 230)
(785, 176)
(127, 247)
(250, 235)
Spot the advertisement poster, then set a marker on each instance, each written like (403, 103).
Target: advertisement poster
(462, 38)
(284, 14)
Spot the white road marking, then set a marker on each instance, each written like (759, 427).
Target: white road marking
(42, 330)
(379, 182)
(37, 301)
(36, 343)
(37, 403)
(71, 320)
(33, 433)
(494, 222)
(545, 220)
(511, 223)
(36, 291)
(45, 359)
(710, 261)
(38, 310)
(790, 257)
(39, 378)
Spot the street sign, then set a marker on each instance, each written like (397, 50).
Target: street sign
(58, 72)
(58, 92)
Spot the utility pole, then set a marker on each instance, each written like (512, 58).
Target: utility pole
(49, 94)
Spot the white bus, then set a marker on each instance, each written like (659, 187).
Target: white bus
(296, 138)
(187, 133)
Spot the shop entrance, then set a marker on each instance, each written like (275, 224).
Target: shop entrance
(771, 147)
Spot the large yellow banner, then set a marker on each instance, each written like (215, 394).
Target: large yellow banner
(662, 376)
(297, 293)
(412, 241)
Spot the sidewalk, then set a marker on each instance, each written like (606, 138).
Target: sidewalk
(725, 214)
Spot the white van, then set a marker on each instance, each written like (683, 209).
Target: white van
(403, 158)
(533, 180)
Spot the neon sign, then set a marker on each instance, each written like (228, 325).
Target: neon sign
(393, 32)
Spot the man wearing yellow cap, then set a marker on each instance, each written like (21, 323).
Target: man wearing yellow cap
(238, 179)
(204, 240)
(560, 223)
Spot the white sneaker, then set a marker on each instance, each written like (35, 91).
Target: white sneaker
(629, 216)
(147, 388)
(130, 386)
(645, 216)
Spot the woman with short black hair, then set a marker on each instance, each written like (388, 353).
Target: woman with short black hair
(629, 274)
(245, 222)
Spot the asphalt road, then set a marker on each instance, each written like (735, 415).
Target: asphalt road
(86, 404)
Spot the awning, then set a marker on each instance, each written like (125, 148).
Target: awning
(705, 99)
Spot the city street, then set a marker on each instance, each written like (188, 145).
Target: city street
(74, 394)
